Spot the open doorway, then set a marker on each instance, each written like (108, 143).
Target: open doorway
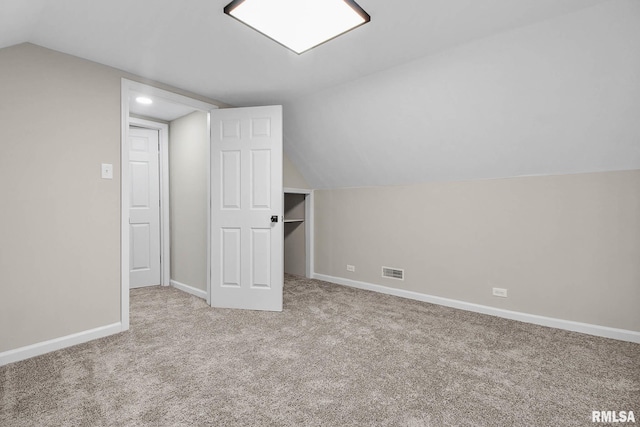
(178, 121)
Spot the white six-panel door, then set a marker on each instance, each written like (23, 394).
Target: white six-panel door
(144, 208)
(246, 192)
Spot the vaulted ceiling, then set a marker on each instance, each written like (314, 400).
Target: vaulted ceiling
(355, 107)
(194, 46)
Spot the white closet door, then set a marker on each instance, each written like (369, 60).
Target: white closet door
(144, 208)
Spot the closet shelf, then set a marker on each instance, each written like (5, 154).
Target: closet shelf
(294, 220)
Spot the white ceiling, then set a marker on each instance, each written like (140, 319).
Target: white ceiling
(194, 46)
(429, 90)
(160, 108)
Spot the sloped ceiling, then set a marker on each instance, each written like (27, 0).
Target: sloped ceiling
(352, 112)
(557, 97)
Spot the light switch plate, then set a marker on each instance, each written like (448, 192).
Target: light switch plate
(107, 171)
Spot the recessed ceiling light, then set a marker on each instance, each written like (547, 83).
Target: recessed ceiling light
(299, 24)
(144, 100)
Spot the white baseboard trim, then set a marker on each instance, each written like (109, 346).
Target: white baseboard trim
(189, 289)
(40, 348)
(569, 325)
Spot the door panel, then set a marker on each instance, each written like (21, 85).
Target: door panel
(140, 184)
(230, 171)
(260, 258)
(140, 256)
(260, 179)
(231, 257)
(246, 191)
(144, 208)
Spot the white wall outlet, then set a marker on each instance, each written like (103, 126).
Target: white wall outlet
(107, 171)
(351, 267)
(500, 292)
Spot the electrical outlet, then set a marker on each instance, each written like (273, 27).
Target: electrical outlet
(351, 267)
(500, 292)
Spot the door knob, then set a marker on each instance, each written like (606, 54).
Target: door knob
(274, 218)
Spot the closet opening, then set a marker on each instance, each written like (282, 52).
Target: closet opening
(298, 222)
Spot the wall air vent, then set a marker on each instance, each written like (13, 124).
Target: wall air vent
(393, 273)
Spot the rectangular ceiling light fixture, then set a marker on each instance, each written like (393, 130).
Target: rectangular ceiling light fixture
(299, 24)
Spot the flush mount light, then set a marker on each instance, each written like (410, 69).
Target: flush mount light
(299, 24)
(144, 100)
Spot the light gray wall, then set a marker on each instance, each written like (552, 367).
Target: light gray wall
(188, 160)
(564, 246)
(59, 221)
(291, 176)
(560, 96)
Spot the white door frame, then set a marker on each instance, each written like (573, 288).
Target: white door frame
(128, 86)
(308, 226)
(163, 166)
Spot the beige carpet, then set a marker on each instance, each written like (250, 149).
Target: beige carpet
(335, 357)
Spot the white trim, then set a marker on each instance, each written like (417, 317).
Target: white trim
(292, 190)
(126, 87)
(165, 234)
(189, 289)
(209, 172)
(308, 225)
(44, 347)
(124, 196)
(569, 325)
(309, 231)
